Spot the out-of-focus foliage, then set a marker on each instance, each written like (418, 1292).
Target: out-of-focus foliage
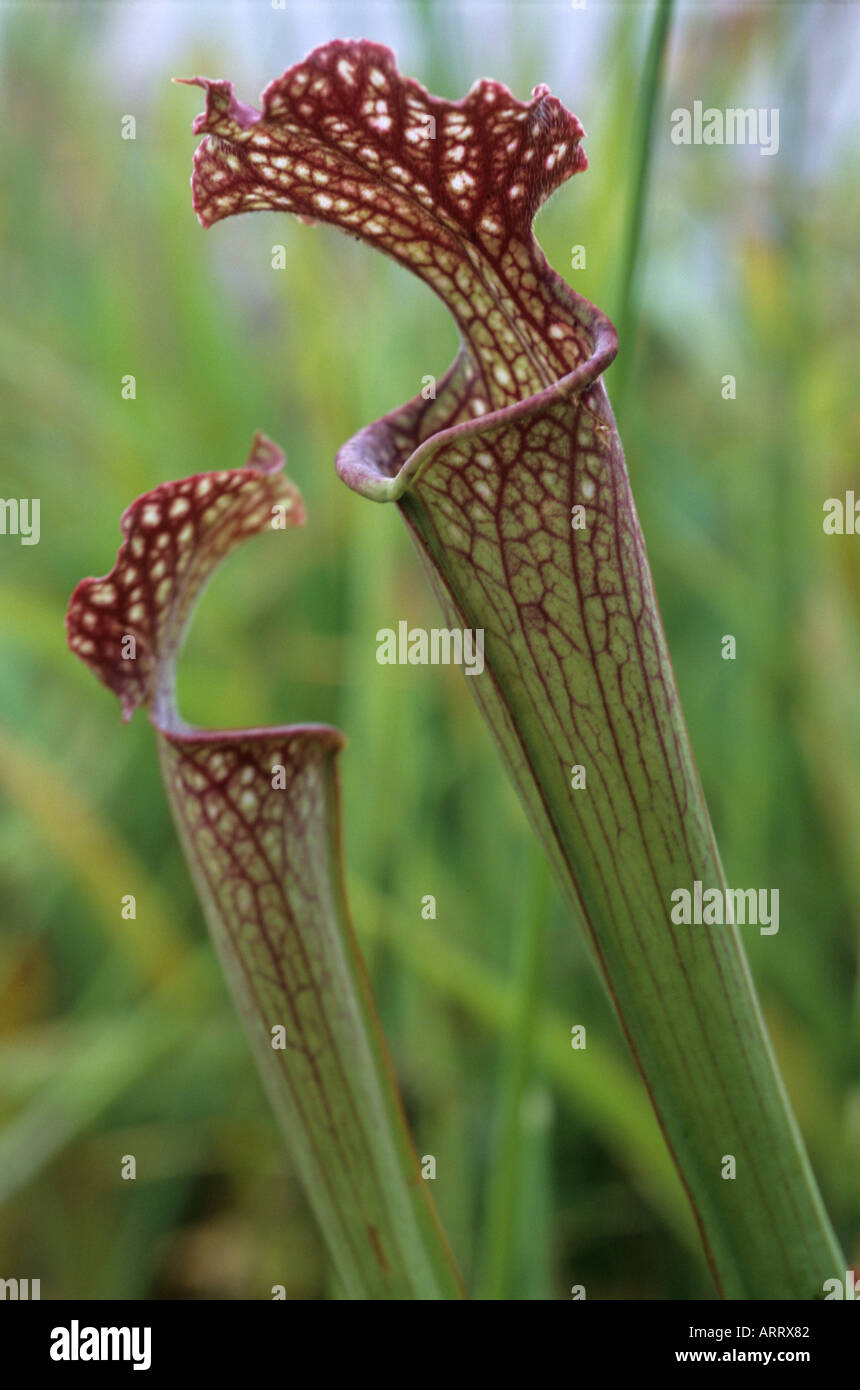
(117, 1036)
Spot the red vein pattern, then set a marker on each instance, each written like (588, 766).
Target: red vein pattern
(173, 538)
(258, 814)
(577, 668)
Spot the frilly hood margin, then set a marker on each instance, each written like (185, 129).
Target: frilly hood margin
(456, 209)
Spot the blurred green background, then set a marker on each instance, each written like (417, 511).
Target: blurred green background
(118, 1037)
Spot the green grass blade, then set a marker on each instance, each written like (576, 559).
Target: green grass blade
(505, 1182)
(643, 127)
